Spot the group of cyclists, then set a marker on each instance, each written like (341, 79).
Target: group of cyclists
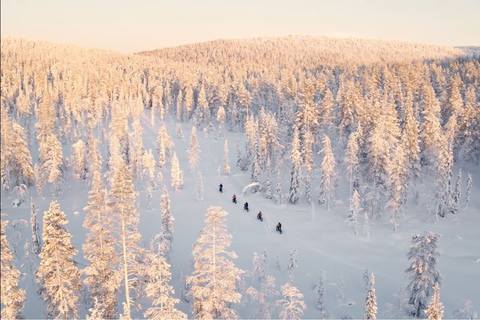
(245, 207)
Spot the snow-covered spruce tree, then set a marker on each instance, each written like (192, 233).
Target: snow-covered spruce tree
(296, 174)
(430, 131)
(35, 230)
(328, 179)
(468, 192)
(53, 167)
(179, 131)
(79, 158)
(149, 168)
(102, 278)
(422, 271)
(279, 197)
(167, 225)
(466, 312)
(21, 161)
(351, 160)
(265, 284)
(410, 141)
(239, 156)
(225, 169)
(177, 174)
(164, 146)
(341, 298)
(292, 264)
(366, 280)
(199, 182)
(307, 152)
(251, 134)
(457, 193)
(320, 289)
(12, 296)
(139, 151)
(435, 308)
(122, 208)
(397, 187)
(366, 224)
(292, 305)
(442, 180)
(193, 150)
(277, 263)
(268, 181)
(158, 277)
(213, 283)
(5, 144)
(221, 118)
(371, 301)
(57, 275)
(354, 211)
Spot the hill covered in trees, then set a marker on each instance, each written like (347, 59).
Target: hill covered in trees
(371, 127)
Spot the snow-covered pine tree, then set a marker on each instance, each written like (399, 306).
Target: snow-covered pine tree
(12, 297)
(213, 283)
(294, 194)
(35, 230)
(292, 264)
(177, 174)
(292, 305)
(422, 271)
(225, 169)
(193, 151)
(102, 278)
(79, 158)
(328, 179)
(435, 308)
(354, 211)
(468, 192)
(57, 275)
(158, 277)
(149, 168)
(457, 193)
(122, 208)
(371, 301)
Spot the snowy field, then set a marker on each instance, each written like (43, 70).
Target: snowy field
(323, 239)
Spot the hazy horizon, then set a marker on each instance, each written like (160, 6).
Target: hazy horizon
(145, 25)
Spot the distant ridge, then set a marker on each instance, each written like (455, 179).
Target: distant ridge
(310, 50)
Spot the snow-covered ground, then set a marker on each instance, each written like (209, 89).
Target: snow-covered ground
(323, 240)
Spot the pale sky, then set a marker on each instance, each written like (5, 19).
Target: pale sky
(134, 25)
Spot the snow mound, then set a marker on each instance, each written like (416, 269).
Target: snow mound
(252, 188)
